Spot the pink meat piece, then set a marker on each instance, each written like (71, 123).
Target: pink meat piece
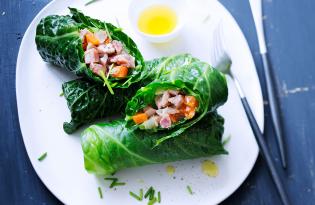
(83, 33)
(104, 60)
(166, 111)
(96, 68)
(124, 59)
(118, 46)
(164, 99)
(91, 56)
(165, 122)
(149, 111)
(101, 36)
(177, 101)
(158, 101)
(106, 48)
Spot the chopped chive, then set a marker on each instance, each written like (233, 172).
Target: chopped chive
(151, 196)
(148, 192)
(61, 94)
(153, 201)
(108, 34)
(141, 194)
(135, 196)
(226, 140)
(159, 197)
(106, 82)
(110, 68)
(115, 183)
(90, 2)
(42, 157)
(100, 192)
(189, 190)
(111, 178)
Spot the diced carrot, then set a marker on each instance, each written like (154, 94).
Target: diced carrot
(120, 72)
(188, 111)
(91, 39)
(107, 41)
(173, 118)
(176, 117)
(140, 118)
(191, 101)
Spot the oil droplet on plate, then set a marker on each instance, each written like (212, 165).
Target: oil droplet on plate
(210, 168)
(170, 169)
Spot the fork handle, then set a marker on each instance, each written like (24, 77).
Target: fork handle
(264, 151)
(274, 108)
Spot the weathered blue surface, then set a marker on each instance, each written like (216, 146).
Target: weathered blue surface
(290, 29)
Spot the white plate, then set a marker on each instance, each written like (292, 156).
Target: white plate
(42, 112)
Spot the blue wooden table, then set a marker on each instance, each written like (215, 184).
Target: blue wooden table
(290, 33)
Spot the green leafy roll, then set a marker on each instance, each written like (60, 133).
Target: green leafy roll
(110, 147)
(88, 101)
(177, 99)
(91, 48)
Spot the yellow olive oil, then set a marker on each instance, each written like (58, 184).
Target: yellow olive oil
(210, 168)
(157, 20)
(170, 169)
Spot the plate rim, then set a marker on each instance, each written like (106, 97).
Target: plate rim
(260, 122)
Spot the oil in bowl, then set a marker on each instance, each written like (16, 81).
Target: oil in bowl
(157, 20)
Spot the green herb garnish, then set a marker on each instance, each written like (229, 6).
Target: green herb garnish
(148, 192)
(108, 34)
(109, 70)
(226, 140)
(189, 190)
(114, 182)
(151, 196)
(100, 192)
(90, 2)
(135, 196)
(42, 157)
(106, 82)
(111, 178)
(159, 197)
(141, 194)
(61, 94)
(153, 201)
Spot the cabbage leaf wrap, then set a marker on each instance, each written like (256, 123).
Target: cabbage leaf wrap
(89, 101)
(110, 147)
(58, 42)
(197, 79)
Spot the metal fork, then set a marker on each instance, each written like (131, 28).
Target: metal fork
(224, 63)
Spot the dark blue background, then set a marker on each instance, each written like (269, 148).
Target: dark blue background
(290, 34)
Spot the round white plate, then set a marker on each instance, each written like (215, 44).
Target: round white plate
(42, 113)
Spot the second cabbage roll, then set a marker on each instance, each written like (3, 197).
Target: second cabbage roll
(110, 147)
(177, 99)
